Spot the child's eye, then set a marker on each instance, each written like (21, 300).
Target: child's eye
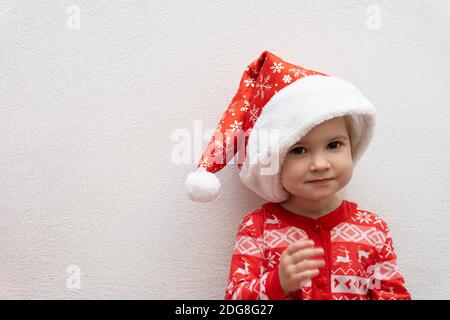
(297, 150)
(334, 142)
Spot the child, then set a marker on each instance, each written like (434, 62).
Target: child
(307, 242)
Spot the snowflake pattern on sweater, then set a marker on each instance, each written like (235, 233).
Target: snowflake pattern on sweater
(361, 263)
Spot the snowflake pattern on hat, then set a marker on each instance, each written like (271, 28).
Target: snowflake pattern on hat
(262, 78)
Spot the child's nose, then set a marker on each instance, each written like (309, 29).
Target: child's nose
(319, 162)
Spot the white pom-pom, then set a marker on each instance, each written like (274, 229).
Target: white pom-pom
(202, 186)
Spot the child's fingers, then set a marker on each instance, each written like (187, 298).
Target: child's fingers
(301, 255)
(308, 265)
(299, 245)
(306, 275)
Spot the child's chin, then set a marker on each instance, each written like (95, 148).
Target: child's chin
(319, 194)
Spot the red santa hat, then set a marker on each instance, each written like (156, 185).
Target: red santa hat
(275, 94)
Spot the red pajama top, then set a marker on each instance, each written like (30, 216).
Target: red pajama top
(360, 262)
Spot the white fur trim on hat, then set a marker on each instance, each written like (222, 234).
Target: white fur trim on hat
(294, 111)
(202, 186)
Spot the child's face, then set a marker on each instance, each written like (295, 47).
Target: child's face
(317, 156)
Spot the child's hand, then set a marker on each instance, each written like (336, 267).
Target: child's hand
(294, 266)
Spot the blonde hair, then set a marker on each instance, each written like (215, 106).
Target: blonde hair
(351, 131)
(350, 125)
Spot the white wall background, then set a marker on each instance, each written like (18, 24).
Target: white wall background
(86, 118)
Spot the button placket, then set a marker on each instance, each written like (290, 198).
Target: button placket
(320, 282)
(317, 227)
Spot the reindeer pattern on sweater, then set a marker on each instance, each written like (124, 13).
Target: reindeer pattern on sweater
(361, 263)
